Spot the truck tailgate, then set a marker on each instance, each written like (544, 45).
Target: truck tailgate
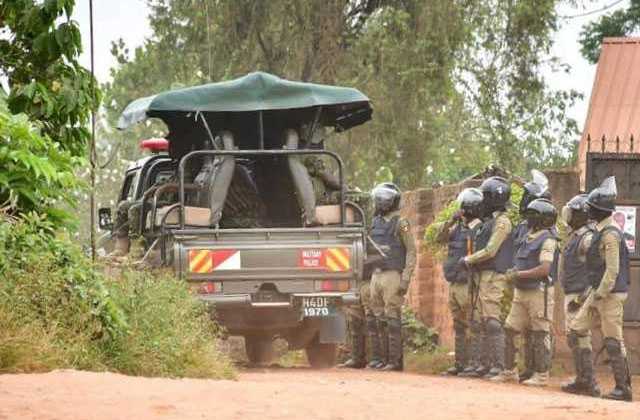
(294, 260)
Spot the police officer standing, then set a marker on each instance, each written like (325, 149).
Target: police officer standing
(538, 187)
(458, 233)
(608, 273)
(532, 304)
(572, 270)
(492, 258)
(389, 282)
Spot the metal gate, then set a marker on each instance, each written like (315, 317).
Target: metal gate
(626, 168)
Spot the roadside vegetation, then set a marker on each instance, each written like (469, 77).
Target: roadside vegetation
(59, 311)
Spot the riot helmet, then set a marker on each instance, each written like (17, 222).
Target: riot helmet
(470, 200)
(576, 212)
(386, 198)
(601, 201)
(538, 187)
(541, 214)
(496, 193)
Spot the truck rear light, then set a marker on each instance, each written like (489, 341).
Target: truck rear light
(207, 287)
(332, 285)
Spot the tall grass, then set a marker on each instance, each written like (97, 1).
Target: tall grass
(58, 311)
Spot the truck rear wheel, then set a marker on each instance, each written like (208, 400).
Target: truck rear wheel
(259, 349)
(321, 355)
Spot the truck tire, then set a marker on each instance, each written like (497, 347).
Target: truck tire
(321, 355)
(259, 349)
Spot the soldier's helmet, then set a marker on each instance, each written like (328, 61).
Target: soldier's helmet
(386, 197)
(470, 200)
(604, 197)
(541, 214)
(576, 213)
(496, 192)
(538, 187)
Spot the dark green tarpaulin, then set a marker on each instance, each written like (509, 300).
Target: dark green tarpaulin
(342, 107)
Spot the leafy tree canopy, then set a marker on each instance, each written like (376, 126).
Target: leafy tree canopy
(456, 84)
(39, 46)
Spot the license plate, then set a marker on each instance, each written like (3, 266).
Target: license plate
(317, 306)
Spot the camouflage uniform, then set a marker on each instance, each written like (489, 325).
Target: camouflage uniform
(326, 187)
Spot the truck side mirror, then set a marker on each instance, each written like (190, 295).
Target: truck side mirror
(104, 219)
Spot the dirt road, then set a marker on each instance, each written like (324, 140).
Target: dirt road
(290, 394)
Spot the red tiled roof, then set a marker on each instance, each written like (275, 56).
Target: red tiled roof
(614, 108)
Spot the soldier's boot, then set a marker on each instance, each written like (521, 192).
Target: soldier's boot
(121, 247)
(576, 385)
(587, 379)
(460, 344)
(527, 353)
(495, 333)
(394, 334)
(478, 349)
(541, 359)
(383, 327)
(358, 358)
(375, 343)
(620, 367)
(510, 372)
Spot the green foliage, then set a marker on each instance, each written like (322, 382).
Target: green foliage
(37, 175)
(58, 311)
(619, 23)
(417, 336)
(455, 85)
(170, 332)
(39, 60)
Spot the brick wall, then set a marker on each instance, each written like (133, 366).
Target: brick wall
(428, 294)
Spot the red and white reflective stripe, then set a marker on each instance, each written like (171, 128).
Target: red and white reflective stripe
(204, 261)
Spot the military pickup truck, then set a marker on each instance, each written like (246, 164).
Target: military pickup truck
(231, 205)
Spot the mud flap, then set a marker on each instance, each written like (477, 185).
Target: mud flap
(333, 329)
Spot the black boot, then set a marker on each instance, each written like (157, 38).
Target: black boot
(461, 359)
(373, 332)
(358, 358)
(587, 379)
(620, 367)
(576, 385)
(476, 353)
(527, 353)
(394, 327)
(496, 347)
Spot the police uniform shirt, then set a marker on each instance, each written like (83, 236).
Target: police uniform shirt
(501, 231)
(610, 250)
(548, 248)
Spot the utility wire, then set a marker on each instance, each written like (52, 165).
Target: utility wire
(592, 12)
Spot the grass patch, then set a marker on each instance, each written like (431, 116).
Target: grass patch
(58, 311)
(428, 362)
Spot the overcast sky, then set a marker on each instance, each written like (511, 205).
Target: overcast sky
(127, 19)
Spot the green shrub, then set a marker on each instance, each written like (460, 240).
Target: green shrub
(58, 311)
(37, 174)
(417, 336)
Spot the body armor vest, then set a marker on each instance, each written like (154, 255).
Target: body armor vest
(528, 257)
(385, 234)
(596, 265)
(574, 273)
(458, 248)
(503, 259)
